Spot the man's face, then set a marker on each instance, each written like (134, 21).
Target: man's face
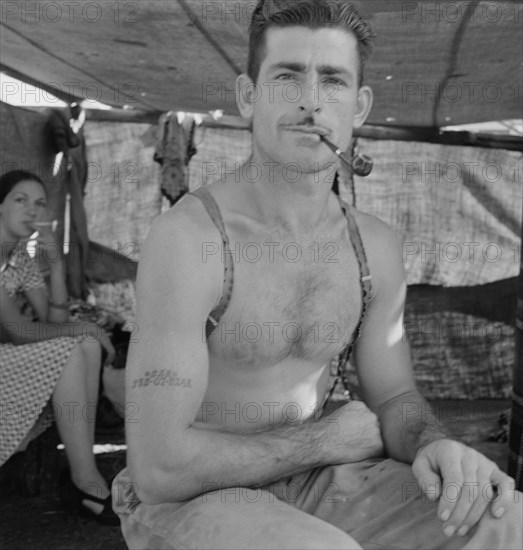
(307, 86)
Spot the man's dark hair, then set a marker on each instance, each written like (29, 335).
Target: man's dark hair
(312, 14)
(9, 180)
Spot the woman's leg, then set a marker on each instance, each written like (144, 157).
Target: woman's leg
(74, 399)
(93, 362)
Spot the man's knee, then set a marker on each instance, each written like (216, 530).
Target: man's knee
(236, 517)
(339, 542)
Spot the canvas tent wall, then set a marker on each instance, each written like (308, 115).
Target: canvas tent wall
(35, 141)
(458, 211)
(435, 64)
(468, 248)
(461, 241)
(461, 327)
(44, 144)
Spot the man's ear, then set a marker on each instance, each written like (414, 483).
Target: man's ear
(245, 92)
(363, 106)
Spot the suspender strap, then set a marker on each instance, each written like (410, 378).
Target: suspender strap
(228, 275)
(213, 320)
(366, 287)
(365, 276)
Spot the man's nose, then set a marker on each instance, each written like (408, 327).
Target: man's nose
(309, 100)
(309, 109)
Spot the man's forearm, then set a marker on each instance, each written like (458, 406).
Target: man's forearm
(264, 456)
(409, 423)
(208, 458)
(227, 459)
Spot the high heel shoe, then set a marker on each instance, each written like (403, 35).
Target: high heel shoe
(73, 497)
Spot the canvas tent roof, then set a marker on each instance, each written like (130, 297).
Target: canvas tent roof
(434, 64)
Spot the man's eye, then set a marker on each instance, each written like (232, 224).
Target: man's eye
(284, 76)
(332, 81)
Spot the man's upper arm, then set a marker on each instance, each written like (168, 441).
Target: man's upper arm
(167, 368)
(382, 353)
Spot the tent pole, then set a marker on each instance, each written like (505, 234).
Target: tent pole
(515, 459)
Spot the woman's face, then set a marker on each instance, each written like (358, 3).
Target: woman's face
(22, 207)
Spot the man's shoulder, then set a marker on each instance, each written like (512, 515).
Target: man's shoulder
(375, 233)
(383, 250)
(179, 254)
(187, 219)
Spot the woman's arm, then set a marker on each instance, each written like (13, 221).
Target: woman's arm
(51, 307)
(16, 328)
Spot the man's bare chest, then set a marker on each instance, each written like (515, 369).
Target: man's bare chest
(297, 299)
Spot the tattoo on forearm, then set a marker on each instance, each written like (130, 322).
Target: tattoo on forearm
(161, 378)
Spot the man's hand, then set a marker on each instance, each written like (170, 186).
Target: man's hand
(464, 481)
(509, 536)
(354, 433)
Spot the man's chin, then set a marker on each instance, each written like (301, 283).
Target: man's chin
(298, 159)
(315, 161)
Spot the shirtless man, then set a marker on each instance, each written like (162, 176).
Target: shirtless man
(229, 447)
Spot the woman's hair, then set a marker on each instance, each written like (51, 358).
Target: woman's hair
(10, 179)
(312, 14)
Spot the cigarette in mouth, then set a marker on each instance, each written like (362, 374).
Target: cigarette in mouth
(53, 225)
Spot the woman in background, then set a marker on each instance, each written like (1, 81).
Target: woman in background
(50, 367)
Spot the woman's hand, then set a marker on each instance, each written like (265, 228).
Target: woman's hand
(47, 240)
